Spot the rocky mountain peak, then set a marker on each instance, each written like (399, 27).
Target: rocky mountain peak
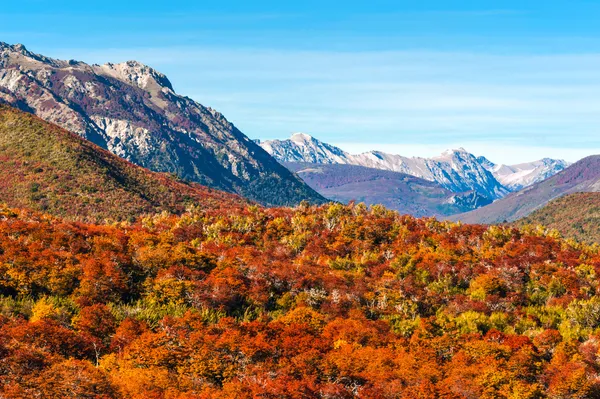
(486, 163)
(551, 162)
(460, 150)
(18, 52)
(302, 147)
(453, 153)
(137, 74)
(13, 47)
(301, 137)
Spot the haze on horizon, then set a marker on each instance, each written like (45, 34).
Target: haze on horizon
(513, 84)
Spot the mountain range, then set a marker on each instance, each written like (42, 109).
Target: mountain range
(455, 170)
(132, 110)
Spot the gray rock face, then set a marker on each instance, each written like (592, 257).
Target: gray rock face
(133, 111)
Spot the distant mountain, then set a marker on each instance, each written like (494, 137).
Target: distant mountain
(456, 170)
(516, 177)
(133, 111)
(574, 216)
(582, 176)
(49, 169)
(399, 191)
(304, 148)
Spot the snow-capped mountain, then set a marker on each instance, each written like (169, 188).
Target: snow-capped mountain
(516, 177)
(133, 111)
(404, 193)
(456, 170)
(302, 147)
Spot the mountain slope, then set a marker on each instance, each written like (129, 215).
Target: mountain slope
(132, 110)
(48, 168)
(404, 193)
(574, 215)
(582, 176)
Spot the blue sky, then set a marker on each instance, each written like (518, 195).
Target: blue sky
(512, 80)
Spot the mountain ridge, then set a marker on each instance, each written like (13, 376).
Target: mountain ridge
(522, 175)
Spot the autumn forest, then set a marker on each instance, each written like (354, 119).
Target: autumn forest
(336, 301)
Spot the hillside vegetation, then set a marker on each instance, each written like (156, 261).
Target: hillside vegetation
(575, 215)
(49, 169)
(329, 302)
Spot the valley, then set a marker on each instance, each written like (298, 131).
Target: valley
(150, 249)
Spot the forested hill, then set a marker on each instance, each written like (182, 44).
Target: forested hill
(50, 169)
(329, 302)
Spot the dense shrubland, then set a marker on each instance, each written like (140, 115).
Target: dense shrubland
(329, 302)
